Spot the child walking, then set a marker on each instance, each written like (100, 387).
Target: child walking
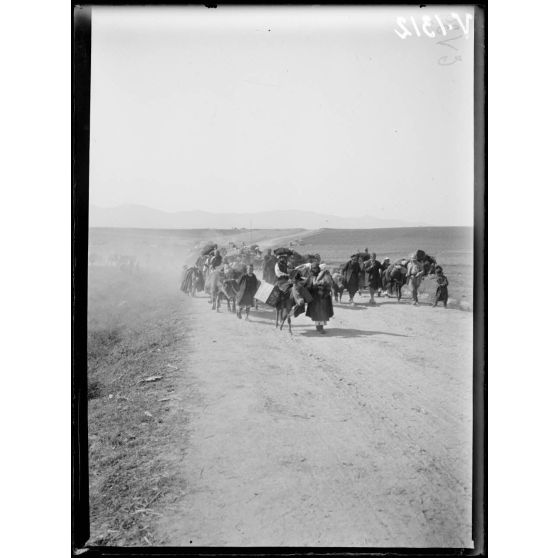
(442, 289)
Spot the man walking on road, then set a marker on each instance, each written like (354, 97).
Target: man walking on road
(247, 287)
(374, 270)
(351, 271)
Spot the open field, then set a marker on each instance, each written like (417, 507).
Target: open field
(248, 436)
(168, 250)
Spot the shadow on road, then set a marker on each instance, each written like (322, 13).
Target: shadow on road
(349, 306)
(362, 305)
(272, 321)
(348, 332)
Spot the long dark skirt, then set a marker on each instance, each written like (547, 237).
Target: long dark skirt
(375, 281)
(321, 307)
(352, 285)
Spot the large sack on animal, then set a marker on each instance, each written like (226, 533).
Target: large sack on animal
(238, 267)
(302, 270)
(268, 293)
(305, 294)
(283, 251)
(396, 270)
(418, 255)
(208, 247)
(311, 258)
(338, 279)
(301, 294)
(296, 259)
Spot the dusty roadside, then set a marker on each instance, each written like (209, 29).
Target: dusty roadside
(136, 339)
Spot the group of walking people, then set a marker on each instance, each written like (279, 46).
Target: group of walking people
(312, 285)
(364, 271)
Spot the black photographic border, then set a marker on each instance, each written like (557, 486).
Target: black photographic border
(81, 90)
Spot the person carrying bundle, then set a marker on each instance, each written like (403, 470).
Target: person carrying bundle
(282, 272)
(216, 260)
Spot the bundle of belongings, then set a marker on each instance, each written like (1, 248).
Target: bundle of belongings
(268, 293)
(415, 259)
(401, 263)
(296, 259)
(283, 252)
(419, 255)
(397, 271)
(208, 248)
(301, 294)
(234, 269)
(414, 266)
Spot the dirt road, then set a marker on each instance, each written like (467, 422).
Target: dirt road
(360, 437)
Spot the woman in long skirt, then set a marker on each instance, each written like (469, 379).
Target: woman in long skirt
(320, 309)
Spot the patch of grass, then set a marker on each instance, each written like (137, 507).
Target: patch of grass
(132, 424)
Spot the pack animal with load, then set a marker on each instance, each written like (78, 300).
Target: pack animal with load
(409, 271)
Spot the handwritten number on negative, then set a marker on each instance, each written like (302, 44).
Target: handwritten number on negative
(455, 59)
(446, 41)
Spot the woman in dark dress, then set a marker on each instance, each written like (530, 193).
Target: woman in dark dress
(247, 287)
(320, 309)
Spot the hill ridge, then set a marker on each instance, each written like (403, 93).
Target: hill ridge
(141, 216)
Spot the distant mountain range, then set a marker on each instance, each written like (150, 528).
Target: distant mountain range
(139, 216)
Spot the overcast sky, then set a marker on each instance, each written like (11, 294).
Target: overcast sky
(254, 109)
